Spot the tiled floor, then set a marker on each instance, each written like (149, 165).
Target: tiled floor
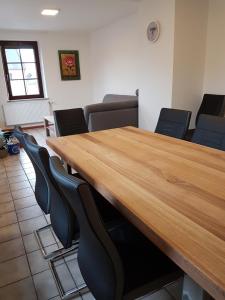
(25, 275)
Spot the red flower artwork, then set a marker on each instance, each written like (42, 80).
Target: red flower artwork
(69, 64)
(69, 61)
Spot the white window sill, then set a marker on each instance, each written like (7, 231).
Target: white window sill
(25, 100)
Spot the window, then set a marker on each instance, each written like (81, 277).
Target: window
(22, 69)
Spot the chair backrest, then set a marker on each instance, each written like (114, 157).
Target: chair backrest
(173, 122)
(62, 218)
(41, 187)
(98, 258)
(212, 105)
(70, 121)
(210, 131)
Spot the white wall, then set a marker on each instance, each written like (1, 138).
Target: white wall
(156, 60)
(189, 54)
(114, 57)
(65, 94)
(124, 60)
(214, 81)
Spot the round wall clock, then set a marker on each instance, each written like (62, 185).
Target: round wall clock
(153, 31)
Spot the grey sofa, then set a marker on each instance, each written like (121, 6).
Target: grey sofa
(114, 111)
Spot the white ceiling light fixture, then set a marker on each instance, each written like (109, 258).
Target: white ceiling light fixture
(50, 12)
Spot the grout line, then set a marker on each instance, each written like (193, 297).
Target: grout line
(15, 282)
(6, 260)
(27, 257)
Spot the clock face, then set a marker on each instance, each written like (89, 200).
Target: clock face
(153, 31)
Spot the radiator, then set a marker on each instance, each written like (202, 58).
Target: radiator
(25, 112)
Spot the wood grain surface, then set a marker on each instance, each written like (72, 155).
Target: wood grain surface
(172, 190)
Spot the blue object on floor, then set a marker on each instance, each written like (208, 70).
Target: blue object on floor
(14, 149)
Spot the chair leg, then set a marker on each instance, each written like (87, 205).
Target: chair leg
(65, 295)
(42, 248)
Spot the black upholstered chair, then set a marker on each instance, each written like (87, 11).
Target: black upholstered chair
(211, 105)
(210, 131)
(69, 122)
(63, 220)
(41, 187)
(173, 122)
(112, 268)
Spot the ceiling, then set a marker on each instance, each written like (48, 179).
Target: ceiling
(79, 15)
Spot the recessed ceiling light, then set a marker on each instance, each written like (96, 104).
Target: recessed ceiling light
(50, 12)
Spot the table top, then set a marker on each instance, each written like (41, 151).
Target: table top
(172, 190)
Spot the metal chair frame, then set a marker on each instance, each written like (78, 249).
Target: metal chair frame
(65, 295)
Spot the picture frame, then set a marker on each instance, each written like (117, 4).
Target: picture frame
(69, 64)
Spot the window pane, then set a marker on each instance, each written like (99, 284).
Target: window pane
(32, 87)
(15, 71)
(12, 55)
(27, 55)
(17, 87)
(30, 70)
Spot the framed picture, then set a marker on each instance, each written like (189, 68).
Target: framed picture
(69, 64)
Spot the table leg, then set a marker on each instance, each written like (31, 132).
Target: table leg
(192, 291)
(46, 123)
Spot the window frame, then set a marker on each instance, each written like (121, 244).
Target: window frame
(21, 45)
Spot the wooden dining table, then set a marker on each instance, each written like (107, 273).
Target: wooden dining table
(172, 190)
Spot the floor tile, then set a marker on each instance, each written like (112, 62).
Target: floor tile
(45, 285)
(14, 270)
(47, 237)
(65, 277)
(32, 183)
(19, 185)
(3, 181)
(22, 193)
(28, 213)
(25, 202)
(37, 262)
(29, 170)
(6, 207)
(7, 219)
(21, 290)
(4, 189)
(47, 217)
(11, 163)
(27, 165)
(10, 232)
(3, 173)
(75, 271)
(175, 289)
(17, 178)
(29, 226)
(30, 243)
(87, 296)
(160, 295)
(11, 249)
(31, 176)
(14, 167)
(15, 173)
(51, 248)
(5, 197)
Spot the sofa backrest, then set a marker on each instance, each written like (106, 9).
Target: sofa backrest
(114, 111)
(118, 98)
